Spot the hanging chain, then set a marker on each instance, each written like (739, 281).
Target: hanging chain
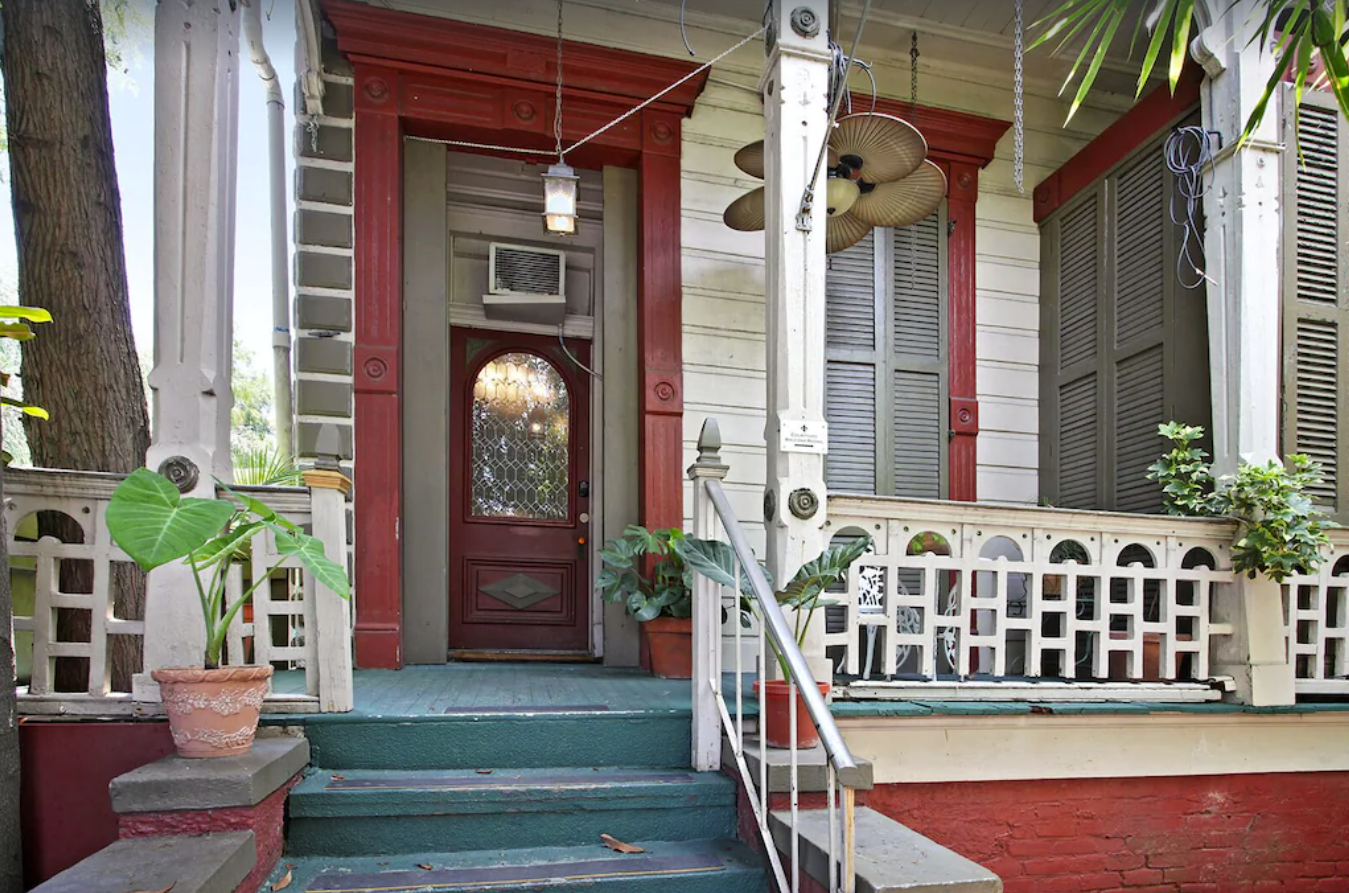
(913, 70)
(557, 110)
(1018, 102)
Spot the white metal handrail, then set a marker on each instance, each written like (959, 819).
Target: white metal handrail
(712, 715)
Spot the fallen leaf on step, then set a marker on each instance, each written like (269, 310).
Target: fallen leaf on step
(483, 771)
(619, 846)
(338, 777)
(160, 890)
(423, 866)
(283, 883)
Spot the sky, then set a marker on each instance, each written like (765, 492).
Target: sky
(131, 100)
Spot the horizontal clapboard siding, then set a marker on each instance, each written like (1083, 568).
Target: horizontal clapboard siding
(1316, 307)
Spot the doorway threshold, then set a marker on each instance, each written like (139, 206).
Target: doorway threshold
(480, 655)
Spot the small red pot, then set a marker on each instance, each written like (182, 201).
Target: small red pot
(775, 717)
(669, 642)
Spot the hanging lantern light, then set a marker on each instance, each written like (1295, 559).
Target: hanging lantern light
(840, 195)
(559, 199)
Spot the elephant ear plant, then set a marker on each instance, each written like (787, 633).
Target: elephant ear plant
(154, 524)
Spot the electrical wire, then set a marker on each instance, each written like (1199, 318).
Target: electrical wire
(561, 340)
(808, 196)
(1189, 152)
(683, 31)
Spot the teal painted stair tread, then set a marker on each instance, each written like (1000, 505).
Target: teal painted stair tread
(366, 813)
(657, 738)
(701, 866)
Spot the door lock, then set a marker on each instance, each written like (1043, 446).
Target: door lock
(583, 489)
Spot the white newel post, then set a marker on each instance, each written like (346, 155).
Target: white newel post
(795, 88)
(196, 113)
(328, 492)
(1242, 249)
(706, 607)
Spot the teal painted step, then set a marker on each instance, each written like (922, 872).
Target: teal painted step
(655, 739)
(372, 812)
(664, 867)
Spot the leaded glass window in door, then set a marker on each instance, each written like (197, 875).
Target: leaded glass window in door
(520, 440)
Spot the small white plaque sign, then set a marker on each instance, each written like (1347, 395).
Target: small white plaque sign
(804, 437)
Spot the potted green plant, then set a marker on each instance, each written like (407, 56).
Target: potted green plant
(801, 598)
(644, 571)
(213, 709)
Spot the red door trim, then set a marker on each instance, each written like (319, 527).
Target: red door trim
(422, 75)
(1134, 128)
(961, 144)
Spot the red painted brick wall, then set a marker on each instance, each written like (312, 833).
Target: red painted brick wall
(1285, 833)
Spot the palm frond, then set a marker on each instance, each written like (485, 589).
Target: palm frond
(263, 465)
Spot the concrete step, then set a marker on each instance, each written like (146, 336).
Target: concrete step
(372, 812)
(212, 863)
(516, 738)
(703, 866)
(890, 858)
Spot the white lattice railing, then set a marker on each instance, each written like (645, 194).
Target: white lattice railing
(281, 629)
(974, 600)
(1316, 614)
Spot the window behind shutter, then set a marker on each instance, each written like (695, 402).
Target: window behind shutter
(850, 371)
(886, 391)
(1316, 308)
(1124, 343)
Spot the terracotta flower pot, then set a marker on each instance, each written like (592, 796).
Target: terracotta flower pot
(212, 713)
(775, 716)
(669, 642)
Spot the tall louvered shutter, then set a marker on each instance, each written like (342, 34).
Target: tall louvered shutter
(1315, 303)
(1077, 366)
(1124, 342)
(886, 391)
(919, 394)
(851, 369)
(1140, 279)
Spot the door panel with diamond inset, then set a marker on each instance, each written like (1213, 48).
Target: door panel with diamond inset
(519, 471)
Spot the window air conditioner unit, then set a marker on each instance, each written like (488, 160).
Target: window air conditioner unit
(526, 284)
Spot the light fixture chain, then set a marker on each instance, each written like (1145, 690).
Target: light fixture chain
(913, 70)
(557, 110)
(1018, 102)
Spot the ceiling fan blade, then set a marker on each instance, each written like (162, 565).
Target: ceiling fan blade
(844, 231)
(903, 202)
(750, 159)
(747, 212)
(890, 149)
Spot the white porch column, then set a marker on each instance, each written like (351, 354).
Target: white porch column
(1242, 249)
(795, 84)
(196, 114)
(1242, 241)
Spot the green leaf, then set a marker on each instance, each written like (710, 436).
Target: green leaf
(264, 511)
(154, 524)
(31, 314)
(311, 555)
(227, 546)
(25, 408)
(16, 331)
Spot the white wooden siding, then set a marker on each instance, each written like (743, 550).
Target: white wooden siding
(723, 270)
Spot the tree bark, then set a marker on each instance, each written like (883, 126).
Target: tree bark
(11, 862)
(68, 221)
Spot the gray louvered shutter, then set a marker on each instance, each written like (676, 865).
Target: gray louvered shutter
(1315, 304)
(1073, 365)
(919, 371)
(1140, 276)
(851, 371)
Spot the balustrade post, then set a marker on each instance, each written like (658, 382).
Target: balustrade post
(329, 490)
(1255, 655)
(706, 608)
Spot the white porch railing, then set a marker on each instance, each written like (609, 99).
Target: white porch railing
(292, 625)
(713, 518)
(1316, 615)
(975, 600)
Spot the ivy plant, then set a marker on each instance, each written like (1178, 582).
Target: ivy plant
(1281, 531)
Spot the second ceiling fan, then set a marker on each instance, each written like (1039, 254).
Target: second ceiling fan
(878, 175)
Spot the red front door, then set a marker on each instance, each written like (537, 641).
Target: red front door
(519, 493)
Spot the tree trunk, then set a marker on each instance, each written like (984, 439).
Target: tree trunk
(11, 863)
(68, 220)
